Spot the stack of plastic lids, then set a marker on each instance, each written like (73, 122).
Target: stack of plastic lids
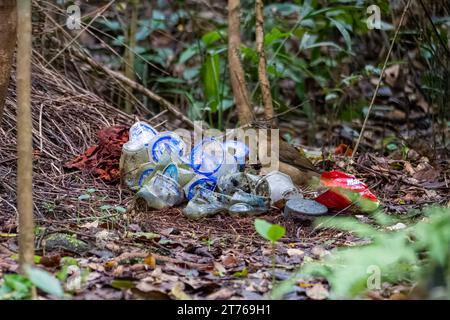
(141, 134)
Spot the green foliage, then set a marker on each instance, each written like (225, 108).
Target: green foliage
(44, 281)
(15, 287)
(210, 77)
(269, 231)
(18, 287)
(398, 256)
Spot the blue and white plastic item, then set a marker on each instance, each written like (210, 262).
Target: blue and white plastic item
(142, 132)
(146, 174)
(207, 157)
(172, 171)
(198, 184)
(238, 149)
(164, 144)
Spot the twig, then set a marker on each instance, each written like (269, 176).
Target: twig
(397, 31)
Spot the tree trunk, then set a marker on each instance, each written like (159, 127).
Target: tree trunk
(8, 23)
(24, 135)
(262, 73)
(237, 77)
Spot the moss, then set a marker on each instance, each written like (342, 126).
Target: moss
(67, 242)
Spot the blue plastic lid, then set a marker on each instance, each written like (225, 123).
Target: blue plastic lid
(203, 183)
(166, 142)
(204, 161)
(171, 171)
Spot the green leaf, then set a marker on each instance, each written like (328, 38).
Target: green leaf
(84, 197)
(122, 284)
(211, 37)
(343, 30)
(112, 25)
(15, 286)
(44, 281)
(188, 54)
(120, 209)
(241, 274)
(274, 35)
(211, 77)
(106, 207)
(269, 231)
(91, 190)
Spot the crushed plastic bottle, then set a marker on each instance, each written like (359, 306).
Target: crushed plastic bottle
(161, 192)
(250, 199)
(244, 209)
(206, 203)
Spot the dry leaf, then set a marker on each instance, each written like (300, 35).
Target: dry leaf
(90, 225)
(219, 268)
(150, 261)
(317, 292)
(295, 252)
(391, 75)
(228, 260)
(178, 292)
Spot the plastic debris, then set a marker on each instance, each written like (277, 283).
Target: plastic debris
(206, 203)
(165, 172)
(161, 192)
(345, 190)
(278, 186)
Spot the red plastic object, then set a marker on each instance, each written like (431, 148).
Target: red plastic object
(343, 190)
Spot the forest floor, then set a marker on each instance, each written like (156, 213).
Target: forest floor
(106, 245)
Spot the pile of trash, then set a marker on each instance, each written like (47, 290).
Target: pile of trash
(163, 169)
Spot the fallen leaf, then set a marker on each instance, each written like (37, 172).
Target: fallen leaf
(219, 269)
(228, 260)
(391, 75)
(150, 261)
(317, 292)
(178, 292)
(295, 252)
(222, 294)
(90, 225)
(50, 261)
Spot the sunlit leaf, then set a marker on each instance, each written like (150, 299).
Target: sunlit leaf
(269, 231)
